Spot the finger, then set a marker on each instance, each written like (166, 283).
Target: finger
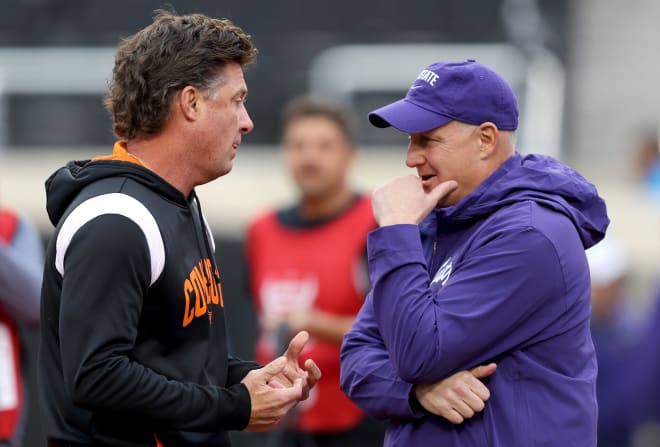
(483, 371)
(276, 384)
(474, 402)
(440, 191)
(292, 370)
(463, 409)
(284, 378)
(314, 372)
(273, 368)
(453, 416)
(296, 345)
(478, 388)
(305, 390)
(295, 392)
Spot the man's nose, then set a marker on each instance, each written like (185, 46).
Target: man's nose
(245, 122)
(414, 157)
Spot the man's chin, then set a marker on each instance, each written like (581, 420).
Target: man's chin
(221, 172)
(446, 201)
(312, 190)
(429, 188)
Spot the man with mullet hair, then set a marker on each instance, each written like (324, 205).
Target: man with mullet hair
(133, 348)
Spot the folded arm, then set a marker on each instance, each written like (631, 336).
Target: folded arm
(368, 376)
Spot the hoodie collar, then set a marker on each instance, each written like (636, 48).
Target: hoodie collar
(63, 186)
(536, 178)
(120, 153)
(456, 216)
(468, 206)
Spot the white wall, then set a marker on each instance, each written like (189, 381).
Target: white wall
(615, 84)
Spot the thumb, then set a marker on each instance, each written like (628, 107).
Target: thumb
(483, 371)
(297, 344)
(441, 191)
(274, 367)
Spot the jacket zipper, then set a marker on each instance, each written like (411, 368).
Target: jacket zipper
(433, 262)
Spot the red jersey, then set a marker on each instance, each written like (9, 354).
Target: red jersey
(11, 377)
(319, 267)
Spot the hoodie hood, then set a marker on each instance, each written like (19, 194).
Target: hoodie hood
(63, 185)
(543, 180)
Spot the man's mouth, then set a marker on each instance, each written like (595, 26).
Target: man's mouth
(427, 180)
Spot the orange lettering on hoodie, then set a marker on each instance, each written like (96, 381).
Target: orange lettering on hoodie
(207, 292)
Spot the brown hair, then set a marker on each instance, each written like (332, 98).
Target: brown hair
(305, 106)
(166, 56)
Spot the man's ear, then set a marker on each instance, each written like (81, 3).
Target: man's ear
(188, 101)
(488, 134)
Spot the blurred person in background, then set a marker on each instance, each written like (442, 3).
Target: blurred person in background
(307, 269)
(21, 268)
(647, 417)
(615, 331)
(628, 351)
(133, 341)
(647, 163)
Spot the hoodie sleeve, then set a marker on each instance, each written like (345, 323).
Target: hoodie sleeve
(504, 292)
(368, 376)
(106, 276)
(238, 369)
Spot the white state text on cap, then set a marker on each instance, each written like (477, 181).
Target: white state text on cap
(428, 76)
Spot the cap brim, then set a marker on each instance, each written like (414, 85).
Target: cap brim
(407, 117)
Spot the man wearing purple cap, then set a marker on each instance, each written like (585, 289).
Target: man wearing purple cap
(479, 259)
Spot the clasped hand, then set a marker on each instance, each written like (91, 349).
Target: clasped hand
(457, 397)
(280, 385)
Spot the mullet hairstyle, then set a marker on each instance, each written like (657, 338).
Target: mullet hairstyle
(165, 57)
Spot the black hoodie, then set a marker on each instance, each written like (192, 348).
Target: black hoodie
(133, 343)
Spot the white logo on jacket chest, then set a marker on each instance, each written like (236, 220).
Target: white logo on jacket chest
(443, 273)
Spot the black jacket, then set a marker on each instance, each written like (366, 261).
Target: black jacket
(133, 341)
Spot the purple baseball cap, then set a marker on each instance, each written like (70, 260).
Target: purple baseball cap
(452, 91)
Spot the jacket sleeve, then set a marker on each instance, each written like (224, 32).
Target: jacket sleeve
(106, 275)
(238, 369)
(503, 292)
(368, 376)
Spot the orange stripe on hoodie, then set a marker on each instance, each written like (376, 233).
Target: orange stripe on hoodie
(120, 153)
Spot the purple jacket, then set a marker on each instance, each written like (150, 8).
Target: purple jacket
(500, 277)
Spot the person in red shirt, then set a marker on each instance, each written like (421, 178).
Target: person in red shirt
(307, 270)
(21, 263)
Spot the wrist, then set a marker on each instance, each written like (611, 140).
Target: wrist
(413, 400)
(389, 221)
